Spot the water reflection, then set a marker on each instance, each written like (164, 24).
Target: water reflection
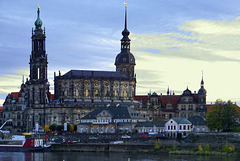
(79, 156)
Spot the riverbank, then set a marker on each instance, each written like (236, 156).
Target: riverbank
(143, 148)
(199, 144)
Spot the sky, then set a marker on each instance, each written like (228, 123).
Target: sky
(173, 42)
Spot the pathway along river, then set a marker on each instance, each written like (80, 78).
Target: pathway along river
(80, 156)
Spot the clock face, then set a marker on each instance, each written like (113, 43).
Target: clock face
(125, 85)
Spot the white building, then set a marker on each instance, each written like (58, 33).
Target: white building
(178, 125)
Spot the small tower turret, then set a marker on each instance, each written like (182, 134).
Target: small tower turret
(202, 93)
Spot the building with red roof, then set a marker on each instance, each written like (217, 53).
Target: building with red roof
(156, 107)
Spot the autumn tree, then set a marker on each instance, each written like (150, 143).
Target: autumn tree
(222, 116)
(71, 128)
(46, 128)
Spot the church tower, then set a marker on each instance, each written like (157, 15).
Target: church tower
(39, 91)
(38, 58)
(125, 61)
(202, 93)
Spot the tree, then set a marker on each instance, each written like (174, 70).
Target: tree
(214, 116)
(46, 128)
(222, 116)
(52, 127)
(71, 128)
(230, 116)
(75, 127)
(59, 128)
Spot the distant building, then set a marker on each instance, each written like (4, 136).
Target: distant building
(163, 107)
(199, 124)
(178, 125)
(110, 119)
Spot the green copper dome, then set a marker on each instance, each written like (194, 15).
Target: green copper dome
(38, 22)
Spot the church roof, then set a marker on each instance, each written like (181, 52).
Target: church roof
(181, 120)
(15, 95)
(117, 112)
(165, 99)
(96, 74)
(197, 120)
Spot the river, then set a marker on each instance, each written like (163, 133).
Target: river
(80, 156)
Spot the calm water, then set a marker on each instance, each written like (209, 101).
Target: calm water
(77, 156)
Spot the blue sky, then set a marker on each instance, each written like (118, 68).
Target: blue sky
(172, 41)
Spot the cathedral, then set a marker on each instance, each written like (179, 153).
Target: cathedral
(79, 92)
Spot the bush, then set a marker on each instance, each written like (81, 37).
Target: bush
(226, 147)
(207, 147)
(174, 147)
(231, 148)
(200, 148)
(157, 145)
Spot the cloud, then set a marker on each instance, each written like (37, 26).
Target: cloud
(203, 40)
(176, 59)
(12, 82)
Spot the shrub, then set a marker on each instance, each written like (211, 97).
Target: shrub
(200, 148)
(207, 147)
(174, 147)
(231, 148)
(157, 145)
(226, 147)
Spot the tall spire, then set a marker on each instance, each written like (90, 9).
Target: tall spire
(202, 82)
(125, 15)
(125, 32)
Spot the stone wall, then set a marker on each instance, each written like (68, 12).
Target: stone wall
(100, 147)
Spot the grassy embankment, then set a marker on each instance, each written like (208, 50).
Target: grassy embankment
(227, 149)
